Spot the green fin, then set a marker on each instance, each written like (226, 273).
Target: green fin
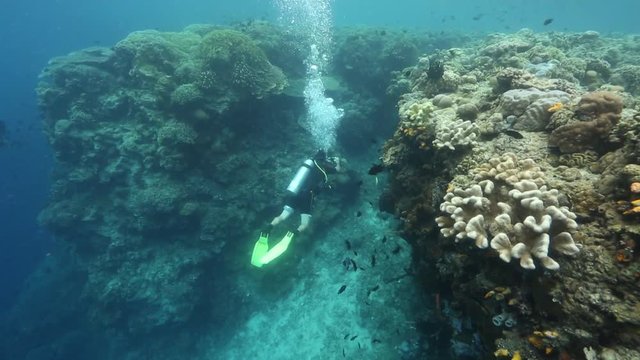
(260, 249)
(278, 249)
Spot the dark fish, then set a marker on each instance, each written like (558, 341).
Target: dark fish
(396, 250)
(359, 213)
(343, 354)
(477, 17)
(373, 289)
(384, 239)
(342, 288)
(346, 336)
(375, 341)
(348, 244)
(355, 267)
(547, 21)
(376, 169)
(354, 337)
(514, 134)
(373, 260)
(355, 253)
(359, 347)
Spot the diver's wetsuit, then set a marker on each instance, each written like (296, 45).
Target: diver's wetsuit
(302, 202)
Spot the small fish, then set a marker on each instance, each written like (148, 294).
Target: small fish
(359, 347)
(375, 341)
(354, 337)
(555, 107)
(355, 267)
(384, 239)
(547, 21)
(342, 288)
(373, 260)
(373, 289)
(358, 213)
(376, 169)
(343, 354)
(346, 336)
(514, 134)
(348, 244)
(477, 17)
(355, 253)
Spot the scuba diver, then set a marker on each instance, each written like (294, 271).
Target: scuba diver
(310, 179)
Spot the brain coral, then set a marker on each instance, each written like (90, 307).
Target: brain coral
(512, 210)
(530, 107)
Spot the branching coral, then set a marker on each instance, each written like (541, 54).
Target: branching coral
(508, 209)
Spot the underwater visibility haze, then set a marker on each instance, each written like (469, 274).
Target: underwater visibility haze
(317, 179)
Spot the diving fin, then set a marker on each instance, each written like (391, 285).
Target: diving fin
(260, 249)
(278, 249)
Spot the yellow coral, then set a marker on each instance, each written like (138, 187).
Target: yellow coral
(501, 352)
(418, 110)
(516, 356)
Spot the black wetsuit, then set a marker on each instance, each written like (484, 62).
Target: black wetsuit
(315, 182)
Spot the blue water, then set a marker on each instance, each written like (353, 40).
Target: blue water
(33, 31)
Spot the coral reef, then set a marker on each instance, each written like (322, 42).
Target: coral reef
(145, 134)
(170, 146)
(170, 151)
(553, 172)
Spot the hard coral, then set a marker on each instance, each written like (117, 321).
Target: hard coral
(600, 111)
(600, 102)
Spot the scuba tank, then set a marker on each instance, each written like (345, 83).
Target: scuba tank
(301, 176)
